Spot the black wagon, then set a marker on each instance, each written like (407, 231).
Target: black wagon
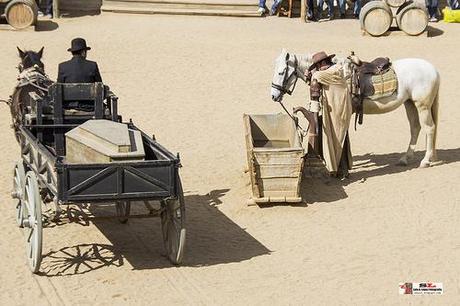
(42, 176)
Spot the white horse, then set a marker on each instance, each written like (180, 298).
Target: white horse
(418, 90)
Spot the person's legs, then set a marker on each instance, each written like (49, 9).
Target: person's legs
(40, 13)
(310, 9)
(454, 4)
(262, 3)
(435, 7)
(341, 5)
(319, 8)
(357, 8)
(275, 5)
(48, 7)
(331, 8)
(432, 6)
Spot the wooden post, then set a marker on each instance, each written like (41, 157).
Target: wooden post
(303, 10)
(56, 11)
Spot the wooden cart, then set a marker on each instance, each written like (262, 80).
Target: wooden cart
(275, 158)
(43, 176)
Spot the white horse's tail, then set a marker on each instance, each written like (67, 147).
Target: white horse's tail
(435, 115)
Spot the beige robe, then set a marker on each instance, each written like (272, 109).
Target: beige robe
(337, 112)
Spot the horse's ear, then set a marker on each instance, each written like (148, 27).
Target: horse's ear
(283, 51)
(21, 53)
(40, 53)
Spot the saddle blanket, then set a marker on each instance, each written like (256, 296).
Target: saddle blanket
(379, 86)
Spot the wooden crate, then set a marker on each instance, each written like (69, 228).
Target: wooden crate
(275, 158)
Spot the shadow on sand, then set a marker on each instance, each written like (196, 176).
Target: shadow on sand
(434, 32)
(322, 188)
(212, 238)
(77, 14)
(46, 25)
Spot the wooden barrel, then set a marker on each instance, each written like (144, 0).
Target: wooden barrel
(395, 3)
(412, 18)
(376, 18)
(21, 14)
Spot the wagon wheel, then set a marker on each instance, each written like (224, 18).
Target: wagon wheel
(123, 211)
(173, 226)
(18, 187)
(32, 223)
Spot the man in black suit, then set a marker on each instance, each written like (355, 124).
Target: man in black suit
(79, 69)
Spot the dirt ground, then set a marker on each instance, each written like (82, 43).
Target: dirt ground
(189, 80)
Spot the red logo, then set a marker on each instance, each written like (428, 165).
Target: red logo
(407, 288)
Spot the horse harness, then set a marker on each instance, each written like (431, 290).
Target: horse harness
(286, 78)
(35, 77)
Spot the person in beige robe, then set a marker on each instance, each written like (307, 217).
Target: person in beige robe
(331, 99)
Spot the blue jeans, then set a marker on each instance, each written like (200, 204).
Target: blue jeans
(310, 11)
(357, 8)
(432, 6)
(453, 4)
(47, 5)
(341, 5)
(262, 3)
(275, 5)
(330, 7)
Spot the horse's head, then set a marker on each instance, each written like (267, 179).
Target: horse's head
(30, 59)
(285, 75)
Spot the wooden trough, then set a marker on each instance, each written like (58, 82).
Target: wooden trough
(275, 158)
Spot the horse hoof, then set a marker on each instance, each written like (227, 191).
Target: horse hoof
(402, 162)
(425, 164)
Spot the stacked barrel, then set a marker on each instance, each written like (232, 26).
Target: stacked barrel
(376, 17)
(21, 14)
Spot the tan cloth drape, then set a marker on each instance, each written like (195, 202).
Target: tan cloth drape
(337, 112)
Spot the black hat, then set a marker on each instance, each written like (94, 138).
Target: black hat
(78, 44)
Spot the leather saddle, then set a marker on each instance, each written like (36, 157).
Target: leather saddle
(378, 66)
(367, 70)
(363, 75)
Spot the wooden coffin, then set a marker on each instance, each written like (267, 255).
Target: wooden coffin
(103, 141)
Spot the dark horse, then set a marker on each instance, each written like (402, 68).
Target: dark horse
(31, 79)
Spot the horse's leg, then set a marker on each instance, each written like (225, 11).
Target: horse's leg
(427, 122)
(414, 123)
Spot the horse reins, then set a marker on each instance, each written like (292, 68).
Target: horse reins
(282, 88)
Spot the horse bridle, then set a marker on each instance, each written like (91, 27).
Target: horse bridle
(282, 88)
(33, 76)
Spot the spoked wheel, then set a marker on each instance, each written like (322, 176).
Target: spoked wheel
(18, 187)
(32, 223)
(123, 211)
(173, 226)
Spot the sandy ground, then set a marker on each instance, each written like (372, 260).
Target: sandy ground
(189, 80)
